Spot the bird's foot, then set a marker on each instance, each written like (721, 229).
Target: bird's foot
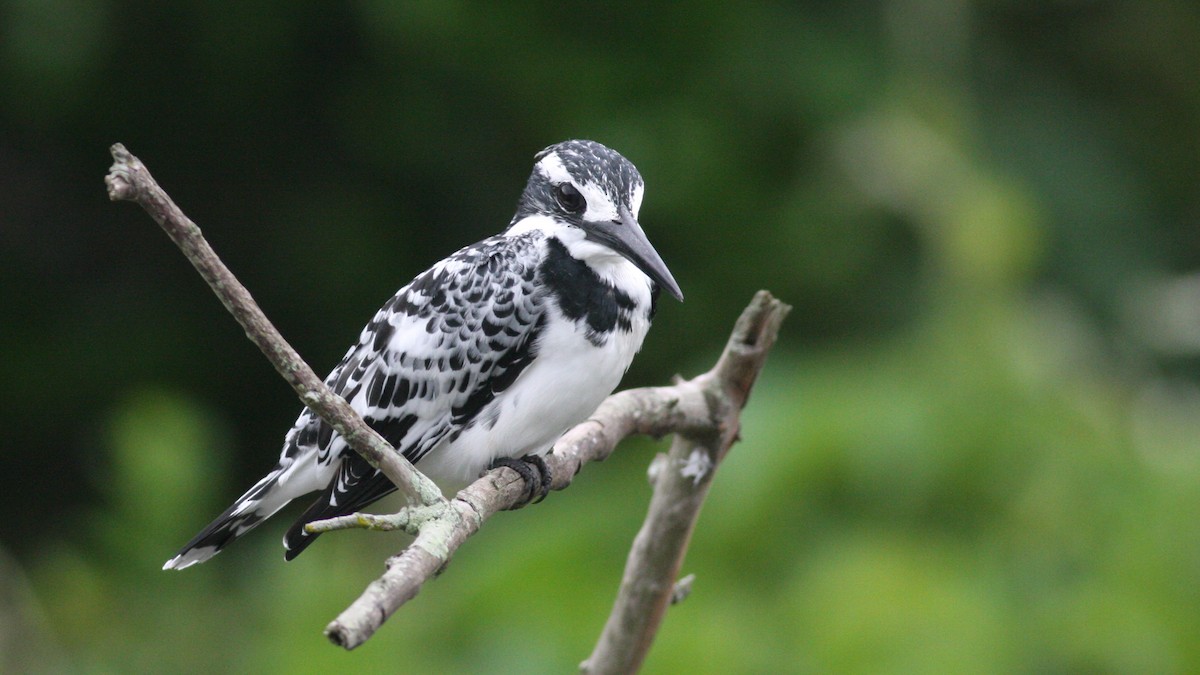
(537, 477)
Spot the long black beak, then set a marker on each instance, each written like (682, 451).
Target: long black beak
(625, 236)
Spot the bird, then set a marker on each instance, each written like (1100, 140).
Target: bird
(485, 358)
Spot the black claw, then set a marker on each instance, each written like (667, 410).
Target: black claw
(544, 475)
(535, 483)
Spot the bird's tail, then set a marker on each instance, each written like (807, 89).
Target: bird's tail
(365, 486)
(259, 503)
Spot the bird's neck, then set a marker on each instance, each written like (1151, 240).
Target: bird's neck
(602, 307)
(592, 285)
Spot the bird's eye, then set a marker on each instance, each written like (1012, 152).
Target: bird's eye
(569, 198)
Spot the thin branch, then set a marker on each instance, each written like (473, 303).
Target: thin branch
(129, 180)
(680, 485)
(703, 412)
(653, 411)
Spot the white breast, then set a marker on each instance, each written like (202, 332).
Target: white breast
(567, 380)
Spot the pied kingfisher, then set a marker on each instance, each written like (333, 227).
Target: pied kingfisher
(489, 355)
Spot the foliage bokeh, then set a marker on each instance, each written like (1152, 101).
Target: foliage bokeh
(974, 449)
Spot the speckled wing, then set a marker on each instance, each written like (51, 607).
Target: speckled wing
(428, 366)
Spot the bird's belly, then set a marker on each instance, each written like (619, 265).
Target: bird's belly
(565, 383)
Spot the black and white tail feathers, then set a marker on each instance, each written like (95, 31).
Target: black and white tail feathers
(259, 503)
(357, 485)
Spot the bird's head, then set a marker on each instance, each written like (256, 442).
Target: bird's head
(588, 187)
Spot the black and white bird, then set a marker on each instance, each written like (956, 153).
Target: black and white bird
(489, 355)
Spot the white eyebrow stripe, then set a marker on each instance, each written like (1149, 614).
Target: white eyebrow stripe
(599, 205)
(554, 169)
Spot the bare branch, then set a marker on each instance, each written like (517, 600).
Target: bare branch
(681, 483)
(406, 519)
(129, 180)
(654, 411)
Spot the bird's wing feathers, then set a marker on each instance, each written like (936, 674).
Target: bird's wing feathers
(427, 366)
(436, 354)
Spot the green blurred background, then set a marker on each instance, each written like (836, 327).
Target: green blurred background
(975, 448)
